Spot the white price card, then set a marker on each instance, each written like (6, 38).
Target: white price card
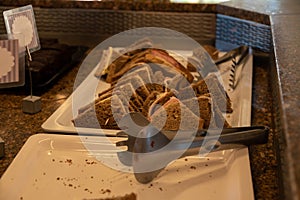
(21, 21)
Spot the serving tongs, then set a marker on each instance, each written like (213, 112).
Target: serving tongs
(201, 60)
(149, 151)
(241, 51)
(238, 57)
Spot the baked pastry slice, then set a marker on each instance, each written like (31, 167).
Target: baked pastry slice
(174, 115)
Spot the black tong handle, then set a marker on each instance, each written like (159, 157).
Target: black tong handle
(246, 136)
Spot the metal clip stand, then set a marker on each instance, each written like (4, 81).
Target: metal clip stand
(31, 104)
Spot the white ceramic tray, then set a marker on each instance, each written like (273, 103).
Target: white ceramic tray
(51, 166)
(60, 120)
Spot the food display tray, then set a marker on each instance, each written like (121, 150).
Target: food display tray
(63, 163)
(61, 119)
(54, 166)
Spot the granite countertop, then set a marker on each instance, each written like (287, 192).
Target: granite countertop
(282, 16)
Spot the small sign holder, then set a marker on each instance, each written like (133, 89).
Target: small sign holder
(21, 21)
(31, 104)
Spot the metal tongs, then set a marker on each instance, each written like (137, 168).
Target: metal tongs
(201, 60)
(237, 56)
(149, 151)
(242, 51)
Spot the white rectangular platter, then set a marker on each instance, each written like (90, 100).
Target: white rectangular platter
(52, 166)
(61, 119)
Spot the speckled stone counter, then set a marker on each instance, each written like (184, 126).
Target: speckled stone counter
(275, 166)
